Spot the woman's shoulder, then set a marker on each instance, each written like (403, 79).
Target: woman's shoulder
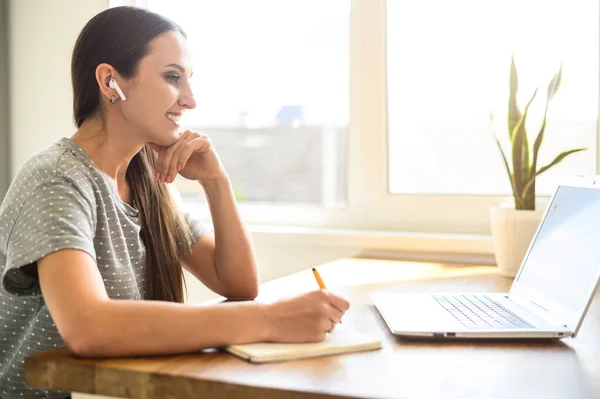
(57, 164)
(62, 159)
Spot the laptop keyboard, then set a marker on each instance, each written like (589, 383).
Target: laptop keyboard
(479, 311)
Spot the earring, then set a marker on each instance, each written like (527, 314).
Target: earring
(112, 99)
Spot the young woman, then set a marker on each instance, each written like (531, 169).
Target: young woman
(92, 244)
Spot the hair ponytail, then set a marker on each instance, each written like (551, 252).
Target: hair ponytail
(119, 36)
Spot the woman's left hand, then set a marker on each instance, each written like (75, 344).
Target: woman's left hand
(192, 156)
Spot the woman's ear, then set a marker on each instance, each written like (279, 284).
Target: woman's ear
(104, 73)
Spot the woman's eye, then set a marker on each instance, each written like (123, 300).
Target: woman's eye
(173, 78)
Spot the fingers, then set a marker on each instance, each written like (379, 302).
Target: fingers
(328, 325)
(337, 301)
(332, 308)
(195, 143)
(333, 324)
(165, 157)
(335, 315)
(172, 159)
(169, 165)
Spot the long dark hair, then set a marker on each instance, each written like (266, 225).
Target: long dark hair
(120, 36)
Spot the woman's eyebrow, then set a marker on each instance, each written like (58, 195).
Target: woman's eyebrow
(181, 69)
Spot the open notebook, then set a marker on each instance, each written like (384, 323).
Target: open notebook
(341, 340)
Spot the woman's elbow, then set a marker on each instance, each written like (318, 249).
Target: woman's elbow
(252, 290)
(253, 293)
(86, 338)
(247, 293)
(81, 344)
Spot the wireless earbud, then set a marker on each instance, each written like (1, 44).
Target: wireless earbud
(113, 84)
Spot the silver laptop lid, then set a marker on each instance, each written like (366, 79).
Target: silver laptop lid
(561, 269)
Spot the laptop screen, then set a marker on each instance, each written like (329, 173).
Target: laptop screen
(563, 265)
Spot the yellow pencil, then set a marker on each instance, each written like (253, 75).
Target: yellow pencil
(319, 279)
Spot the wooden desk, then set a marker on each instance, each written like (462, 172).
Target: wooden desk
(402, 369)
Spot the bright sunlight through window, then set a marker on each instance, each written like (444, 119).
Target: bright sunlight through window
(271, 80)
(448, 68)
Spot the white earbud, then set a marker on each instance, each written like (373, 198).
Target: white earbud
(113, 84)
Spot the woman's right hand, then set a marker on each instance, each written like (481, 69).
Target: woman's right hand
(305, 318)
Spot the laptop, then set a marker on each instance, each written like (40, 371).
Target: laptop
(550, 294)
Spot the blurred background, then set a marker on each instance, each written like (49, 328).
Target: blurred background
(348, 127)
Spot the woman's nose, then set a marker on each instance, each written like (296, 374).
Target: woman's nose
(187, 99)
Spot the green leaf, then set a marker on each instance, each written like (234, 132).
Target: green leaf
(510, 176)
(537, 144)
(520, 148)
(556, 160)
(551, 92)
(514, 114)
(519, 203)
(504, 159)
(554, 85)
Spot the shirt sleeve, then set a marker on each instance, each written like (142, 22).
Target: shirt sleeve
(196, 225)
(56, 215)
(192, 219)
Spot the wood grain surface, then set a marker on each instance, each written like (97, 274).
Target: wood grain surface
(568, 368)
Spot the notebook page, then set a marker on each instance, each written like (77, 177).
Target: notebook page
(341, 340)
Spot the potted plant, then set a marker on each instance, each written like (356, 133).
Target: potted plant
(513, 227)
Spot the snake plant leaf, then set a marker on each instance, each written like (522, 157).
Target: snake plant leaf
(504, 159)
(510, 175)
(520, 148)
(551, 92)
(523, 174)
(556, 160)
(554, 85)
(537, 143)
(514, 114)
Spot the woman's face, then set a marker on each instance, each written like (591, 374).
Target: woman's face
(160, 93)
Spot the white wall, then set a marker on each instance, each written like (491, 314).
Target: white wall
(42, 36)
(4, 100)
(276, 260)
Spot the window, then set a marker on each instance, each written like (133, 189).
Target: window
(448, 68)
(271, 86)
(392, 97)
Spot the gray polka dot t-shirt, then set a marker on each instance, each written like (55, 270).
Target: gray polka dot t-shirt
(60, 199)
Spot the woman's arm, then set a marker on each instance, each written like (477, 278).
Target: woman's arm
(225, 262)
(92, 324)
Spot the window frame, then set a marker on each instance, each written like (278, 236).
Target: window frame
(370, 205)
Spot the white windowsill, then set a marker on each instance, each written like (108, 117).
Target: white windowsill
(432, 247)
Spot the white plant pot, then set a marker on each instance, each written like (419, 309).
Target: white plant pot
(512, 231)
